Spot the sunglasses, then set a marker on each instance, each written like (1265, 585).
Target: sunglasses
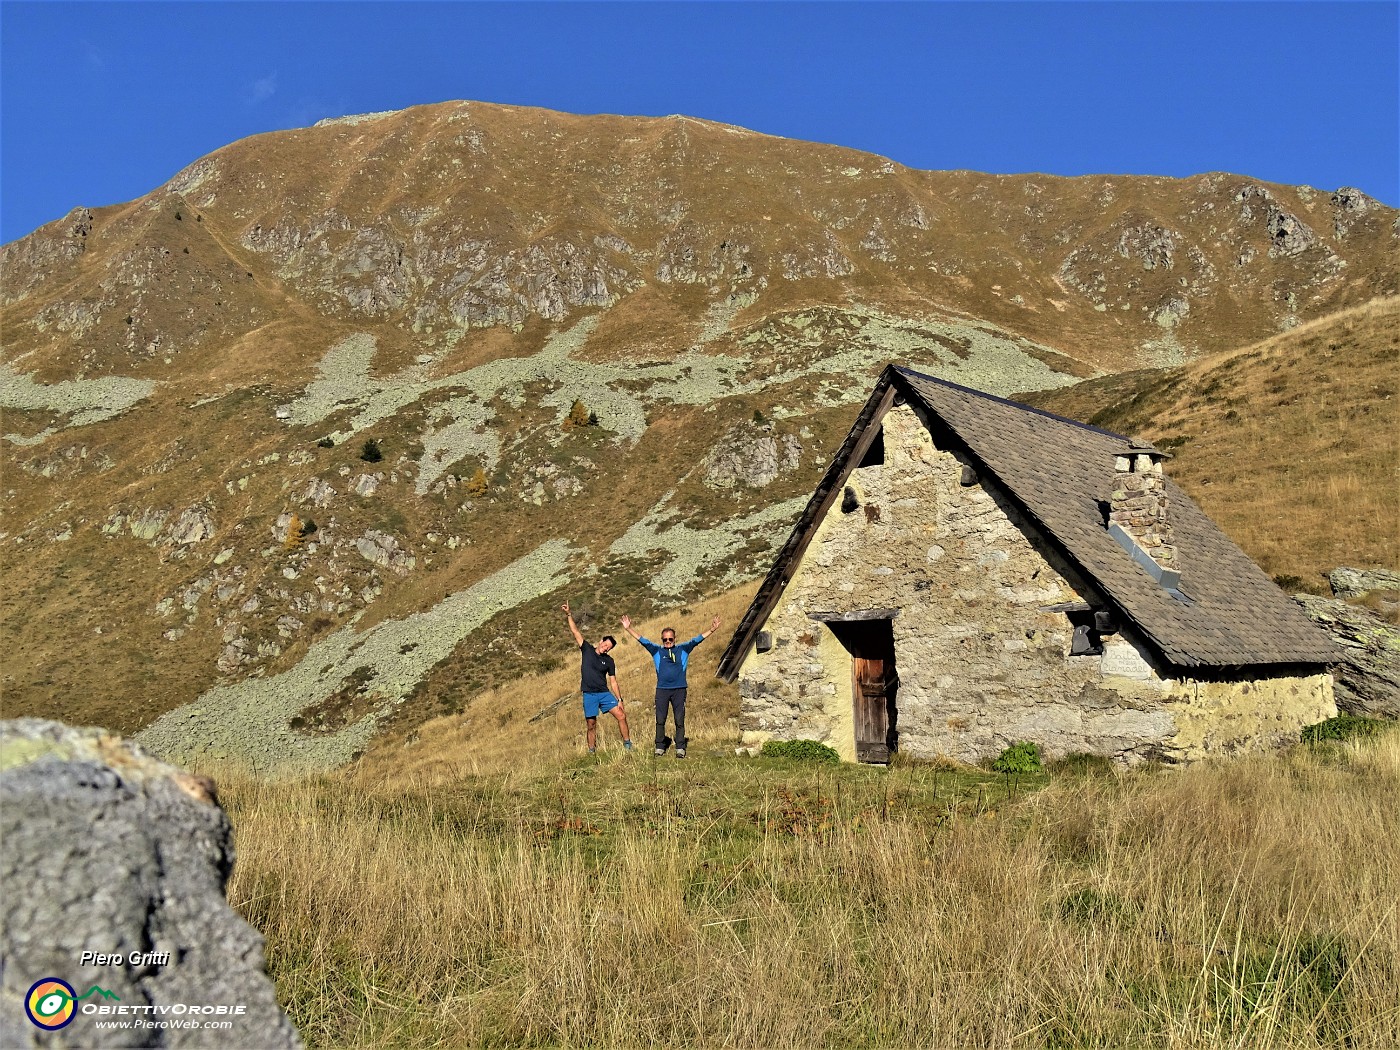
(665, 639)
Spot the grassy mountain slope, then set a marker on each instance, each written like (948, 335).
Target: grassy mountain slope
(188, 381)
(465, 215)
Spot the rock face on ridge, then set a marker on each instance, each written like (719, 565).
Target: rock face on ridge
(1368, 680)
(110, 851)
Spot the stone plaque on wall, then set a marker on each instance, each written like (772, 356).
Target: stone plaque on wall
(1121, 658)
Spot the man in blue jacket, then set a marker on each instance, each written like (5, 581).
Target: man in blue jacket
(670, 659)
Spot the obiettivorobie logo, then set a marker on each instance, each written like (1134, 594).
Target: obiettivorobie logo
(51, 1003)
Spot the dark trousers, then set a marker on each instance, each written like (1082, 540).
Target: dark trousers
(674, 699)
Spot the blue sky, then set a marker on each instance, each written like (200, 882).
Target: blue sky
(100, 103)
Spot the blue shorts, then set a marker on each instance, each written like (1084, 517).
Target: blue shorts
(595, 704)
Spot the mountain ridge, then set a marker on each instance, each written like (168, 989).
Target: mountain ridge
(535, 255)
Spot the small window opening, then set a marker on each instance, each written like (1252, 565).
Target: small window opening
(1087, 641)
(849, 501)
(875, 454)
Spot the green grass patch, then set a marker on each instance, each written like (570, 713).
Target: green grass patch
(1344, 727)
(800, 751)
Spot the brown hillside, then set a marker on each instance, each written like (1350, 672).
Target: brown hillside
(1291, 444)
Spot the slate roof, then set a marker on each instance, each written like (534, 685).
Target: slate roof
(1059, 471)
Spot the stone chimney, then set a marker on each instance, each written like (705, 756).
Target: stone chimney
(1139, 502)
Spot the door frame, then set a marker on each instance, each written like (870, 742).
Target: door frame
(869, 635)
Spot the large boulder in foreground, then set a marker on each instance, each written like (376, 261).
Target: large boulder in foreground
(109, 852)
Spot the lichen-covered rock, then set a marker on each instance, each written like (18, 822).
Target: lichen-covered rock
(110, 851)
(1350, 204)
(1349, 198)
(384, 550)
(1368, 680)
(367, 484)
(1153, 245)
(193, 526)
(145, 525)
(1357, 583)
(1288, 235)
(1171, 313)
(318, 492)
(67, 462)
(749, 455)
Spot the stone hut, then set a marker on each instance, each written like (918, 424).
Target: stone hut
(972, 572)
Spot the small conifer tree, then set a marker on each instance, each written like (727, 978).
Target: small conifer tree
(578, 415)
(294, 534)
(370, 452)
(478, 484)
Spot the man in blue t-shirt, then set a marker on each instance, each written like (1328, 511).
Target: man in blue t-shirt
(601, 693)
(670, 659)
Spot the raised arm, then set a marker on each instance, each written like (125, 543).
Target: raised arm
(688, 646)
(573, 627)
(627, 626)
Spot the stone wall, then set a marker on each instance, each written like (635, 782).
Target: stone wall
(1221, 718)
(982, 663)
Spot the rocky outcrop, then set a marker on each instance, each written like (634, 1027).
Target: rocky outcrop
(30, 261)
(1288, 235)
(749, 455)
(1350, 204)
(385, 551)
(110, 852)
(1368, 679)
(192, 526)
(1357, 583)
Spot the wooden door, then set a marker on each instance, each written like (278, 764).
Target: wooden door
(871, 711)
(874, 687)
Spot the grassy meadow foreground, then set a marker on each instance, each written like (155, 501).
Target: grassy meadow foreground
(624, 900)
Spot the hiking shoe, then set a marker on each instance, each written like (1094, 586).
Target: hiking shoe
(592, 750)
(665, 743)
(680, 752)
(627, 745)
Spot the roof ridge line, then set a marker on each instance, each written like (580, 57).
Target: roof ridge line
(906, 370)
